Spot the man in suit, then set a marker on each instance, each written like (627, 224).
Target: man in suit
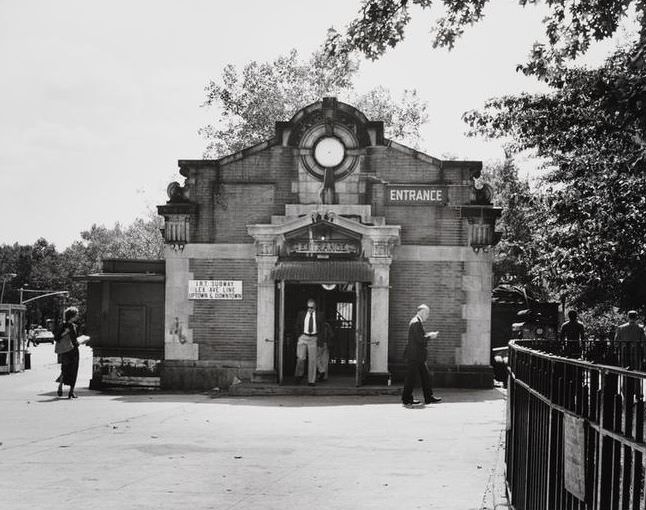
(309, 327)
(630, 331)
(415, 354)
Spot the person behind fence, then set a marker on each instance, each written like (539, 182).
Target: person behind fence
(415, 355)
(630, 331)
(572, 330)
(309, 325)
(67, 347)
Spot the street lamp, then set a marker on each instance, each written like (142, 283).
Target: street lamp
(47, 293)
(5, 277)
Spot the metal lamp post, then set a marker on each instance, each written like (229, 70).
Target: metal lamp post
(47, 294)
(5, 277)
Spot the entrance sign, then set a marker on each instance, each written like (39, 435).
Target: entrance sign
(215, 289)
(416, 194)
(321, 247)
(574, 455)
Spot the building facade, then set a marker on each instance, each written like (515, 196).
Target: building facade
(330, 209)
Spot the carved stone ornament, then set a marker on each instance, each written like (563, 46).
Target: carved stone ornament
(382, 248)
(265, 247)
(177, 229)
(176, 193)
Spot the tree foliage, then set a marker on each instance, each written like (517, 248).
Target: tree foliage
(570, 27)
(522, 217)
(591, 131)
(250, 100)
(588, 242)
(41, 266)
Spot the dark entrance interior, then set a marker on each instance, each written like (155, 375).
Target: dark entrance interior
(338, 304)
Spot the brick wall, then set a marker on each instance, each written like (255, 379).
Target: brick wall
(237, 194)
(439, 285)
(241, 205)
(432, 225)
(226, 330)
(395, 166)
(276, 165)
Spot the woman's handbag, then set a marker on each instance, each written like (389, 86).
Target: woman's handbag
(64, 344)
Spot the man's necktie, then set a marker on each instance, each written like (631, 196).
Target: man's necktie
(310, 324)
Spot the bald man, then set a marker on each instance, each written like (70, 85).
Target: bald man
(415, 354)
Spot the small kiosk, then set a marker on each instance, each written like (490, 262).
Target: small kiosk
(12, 338)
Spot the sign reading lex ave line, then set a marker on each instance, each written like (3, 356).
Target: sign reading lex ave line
(416, 194)
(215, 289)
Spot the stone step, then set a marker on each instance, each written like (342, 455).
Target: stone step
(257, 389)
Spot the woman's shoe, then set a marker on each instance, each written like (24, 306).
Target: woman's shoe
(59, 392)
(72, 395)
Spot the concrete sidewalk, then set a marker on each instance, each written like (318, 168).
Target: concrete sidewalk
(106, 451)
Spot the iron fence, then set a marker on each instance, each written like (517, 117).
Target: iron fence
(575, 426)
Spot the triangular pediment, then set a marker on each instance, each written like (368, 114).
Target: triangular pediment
(321, 238)
(322, 230)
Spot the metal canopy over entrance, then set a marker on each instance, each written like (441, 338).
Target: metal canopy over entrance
(334, 271)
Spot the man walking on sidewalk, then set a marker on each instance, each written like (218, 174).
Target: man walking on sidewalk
(415, 354)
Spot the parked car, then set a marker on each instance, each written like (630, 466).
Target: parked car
(500, 363)
(41, 335)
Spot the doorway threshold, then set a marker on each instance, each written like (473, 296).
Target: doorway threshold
(249, 389)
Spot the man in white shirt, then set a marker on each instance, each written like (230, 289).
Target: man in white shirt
(309, 325)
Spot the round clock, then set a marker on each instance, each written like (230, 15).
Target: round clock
(329, 152)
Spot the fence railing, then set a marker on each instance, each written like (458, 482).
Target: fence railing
(575, 426)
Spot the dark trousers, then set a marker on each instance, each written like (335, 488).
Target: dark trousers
(417, 369)
(70, 366)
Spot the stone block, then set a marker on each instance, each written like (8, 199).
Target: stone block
(177, 351)
(472, 283)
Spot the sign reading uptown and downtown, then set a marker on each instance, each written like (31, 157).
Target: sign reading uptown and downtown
(416, 194)
(215, 289)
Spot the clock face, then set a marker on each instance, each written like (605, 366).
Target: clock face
(329, 152)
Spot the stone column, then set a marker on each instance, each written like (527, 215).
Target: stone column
(178, 336)
(379, 312)
(476, 283)
(265, 339)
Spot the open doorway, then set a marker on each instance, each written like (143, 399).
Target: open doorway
(338, 305)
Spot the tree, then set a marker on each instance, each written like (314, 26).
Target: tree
(248, 102)
(522, 215)
(570, 27)
(588, 243)
(40, 266)
(591, 131)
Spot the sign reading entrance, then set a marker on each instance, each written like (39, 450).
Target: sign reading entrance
(215, 289)
(323, 247)
(416, 194)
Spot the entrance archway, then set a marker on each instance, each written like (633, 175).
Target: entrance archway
(341, 305)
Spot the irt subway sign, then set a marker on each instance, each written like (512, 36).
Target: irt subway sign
(416, 194)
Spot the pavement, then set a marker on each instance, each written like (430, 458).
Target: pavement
(171, 451)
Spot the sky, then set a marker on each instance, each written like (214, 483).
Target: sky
(99, 99)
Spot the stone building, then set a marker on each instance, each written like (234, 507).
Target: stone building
(331, 209)
(328, 209)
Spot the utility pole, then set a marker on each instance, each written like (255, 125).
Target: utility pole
(5, 277)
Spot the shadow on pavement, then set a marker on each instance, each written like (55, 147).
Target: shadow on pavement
(82, 393)
(449, 396)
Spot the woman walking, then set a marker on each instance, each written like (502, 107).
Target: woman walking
(67, 347)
